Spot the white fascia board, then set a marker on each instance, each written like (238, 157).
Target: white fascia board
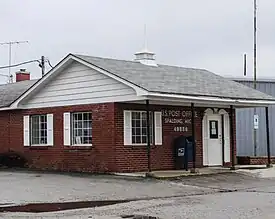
(236, 102)
(6, 108)
(140, 91)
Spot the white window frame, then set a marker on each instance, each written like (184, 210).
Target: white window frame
(151, 128)
(32, 117)
(68, 128)
(28, 130)
(155, 131)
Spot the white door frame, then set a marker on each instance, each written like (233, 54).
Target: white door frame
(226, 135)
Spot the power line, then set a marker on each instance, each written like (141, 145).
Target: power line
(40, 61)
(49, 63)
(22, 63)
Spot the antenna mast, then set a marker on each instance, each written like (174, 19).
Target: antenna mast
(145, 38)
(10, 47)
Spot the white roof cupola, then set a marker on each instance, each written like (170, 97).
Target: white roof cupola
(145, 56)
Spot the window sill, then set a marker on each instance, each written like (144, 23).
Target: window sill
(39, 147)
(81, 145)
(133, 146)
(78, 147)
(137, 144)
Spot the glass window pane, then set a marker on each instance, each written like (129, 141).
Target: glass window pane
(133, 131)
(35, 120)
(79, 124)
(89, 132)
(144, 139)
(79, 132)
(138, 139)
(135, 115)
(85, 116)
(43, 141)
(144, 115)
(87, 124)
(138, 123)
(87, 140)
(144, 123)
(134, 124)
(78, 140)
(138, 131)
(35, 140)
(133, 139)
(79, 116)
(43, 125)
(144, 131)
(42, 119)
(75, 124)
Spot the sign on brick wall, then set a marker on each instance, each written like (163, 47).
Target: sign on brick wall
(181, 119)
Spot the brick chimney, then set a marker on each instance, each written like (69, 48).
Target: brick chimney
(22, 75)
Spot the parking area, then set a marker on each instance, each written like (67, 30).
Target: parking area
(213, 196)
(35, 187)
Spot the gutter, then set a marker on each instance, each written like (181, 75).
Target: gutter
(9, 108)
(213, 99)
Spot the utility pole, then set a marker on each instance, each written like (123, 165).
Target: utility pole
(255, 73)
(42, 65)
(10, 48)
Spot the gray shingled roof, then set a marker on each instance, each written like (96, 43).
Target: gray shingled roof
(162, 79)
(10, 92)
(176, 80)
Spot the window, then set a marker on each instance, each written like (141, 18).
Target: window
(135, 128)
(139, 127)
(81, 128)
(38, 129)
(213, 126)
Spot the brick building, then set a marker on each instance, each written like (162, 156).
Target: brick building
(97, 114)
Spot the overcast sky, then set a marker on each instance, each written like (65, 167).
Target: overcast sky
(210, 34)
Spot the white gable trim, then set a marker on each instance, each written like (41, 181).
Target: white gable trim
(63, 64)
(66, 61)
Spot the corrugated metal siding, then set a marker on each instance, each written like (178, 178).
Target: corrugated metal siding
(244, 122)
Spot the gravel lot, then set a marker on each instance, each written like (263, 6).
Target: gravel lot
(216, 197)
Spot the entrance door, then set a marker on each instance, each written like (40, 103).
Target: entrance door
(214, 144)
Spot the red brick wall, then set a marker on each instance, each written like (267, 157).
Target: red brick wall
(246, 160)
(99, 157)
(108, 153)
(161, 155)
(4, 131)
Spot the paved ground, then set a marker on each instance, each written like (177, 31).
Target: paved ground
(26, 187)
(216, 197)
